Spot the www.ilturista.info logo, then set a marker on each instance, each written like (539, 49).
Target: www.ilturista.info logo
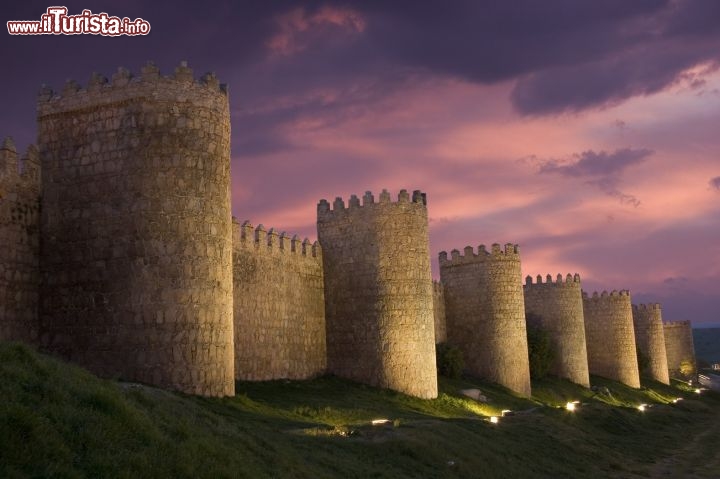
(57, 22)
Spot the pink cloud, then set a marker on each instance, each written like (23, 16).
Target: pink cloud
(294, 27)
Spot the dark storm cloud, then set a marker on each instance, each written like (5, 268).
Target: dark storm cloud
(602, 170)
(567, 55)
(715, 183)
(564, 54)
(602, 164)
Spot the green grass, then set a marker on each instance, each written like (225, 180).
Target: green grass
(57, 420)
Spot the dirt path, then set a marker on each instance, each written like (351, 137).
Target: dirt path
(699, 459)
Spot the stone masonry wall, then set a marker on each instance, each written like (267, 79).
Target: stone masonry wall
(611, 337)
(485, 313)
(439, 312)
(137, 241)
(19, 243)
(679, 346)
(557, 307)
(650, 340)
(279, 305)
(378, 292)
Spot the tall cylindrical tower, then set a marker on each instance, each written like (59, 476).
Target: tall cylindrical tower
(650, 340)
(610, 337)
(137, 242)
(557, 307)
(485, 314)
(680, 348)
(378, 292)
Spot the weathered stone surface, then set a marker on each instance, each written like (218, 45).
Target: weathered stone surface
(679, 346)
(650, 340)
(485, 313)
(279, 305)
(137, 244)
(557, 307)
(19, 243)
(439, 312)
(378, 292)
(610, 337)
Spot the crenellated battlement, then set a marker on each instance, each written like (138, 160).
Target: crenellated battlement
(569, 279)
(646, 307)
(497, 252)
(325, 211)
(678, 324)
(245, 235)
(605, 295)
(123, 86)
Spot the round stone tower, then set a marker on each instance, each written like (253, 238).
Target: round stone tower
(557, 307)
(650, 340)
(610, 337)
(378, 292)
(137, 243)
(680, 349)
(485, 315)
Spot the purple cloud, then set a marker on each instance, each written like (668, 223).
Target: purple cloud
(715, 183)
(602, 170)
(602, 164)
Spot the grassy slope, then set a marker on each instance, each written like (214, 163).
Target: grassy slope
(57, 420)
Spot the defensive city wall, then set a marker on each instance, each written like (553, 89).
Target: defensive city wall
(611, 337)
(119, 253)
(680, 349)
(19, 243)
(378, 291)
(279, 305)
(557, 308)
(485, 313)
(650, 340)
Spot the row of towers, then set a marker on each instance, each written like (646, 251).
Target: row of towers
(123, 257)
(487, 312)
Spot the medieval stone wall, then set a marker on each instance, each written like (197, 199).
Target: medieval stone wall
(439, 312)
(650, 340)
(610, 337)
(137, 244)
(378, 292)
(557, 308)
(279, 305)
(19, 243)
(679, 346)
(485, 313)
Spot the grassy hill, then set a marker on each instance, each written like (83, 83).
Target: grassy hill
(57, 420)
(707, 344)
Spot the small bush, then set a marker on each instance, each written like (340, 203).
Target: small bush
(450, 362)
(540, 351)
(687, 368)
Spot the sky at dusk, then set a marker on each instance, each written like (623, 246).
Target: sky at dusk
(588, 132)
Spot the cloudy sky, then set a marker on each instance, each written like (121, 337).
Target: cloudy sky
(587, 132)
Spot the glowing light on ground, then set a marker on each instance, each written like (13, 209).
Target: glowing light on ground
(572, 405)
